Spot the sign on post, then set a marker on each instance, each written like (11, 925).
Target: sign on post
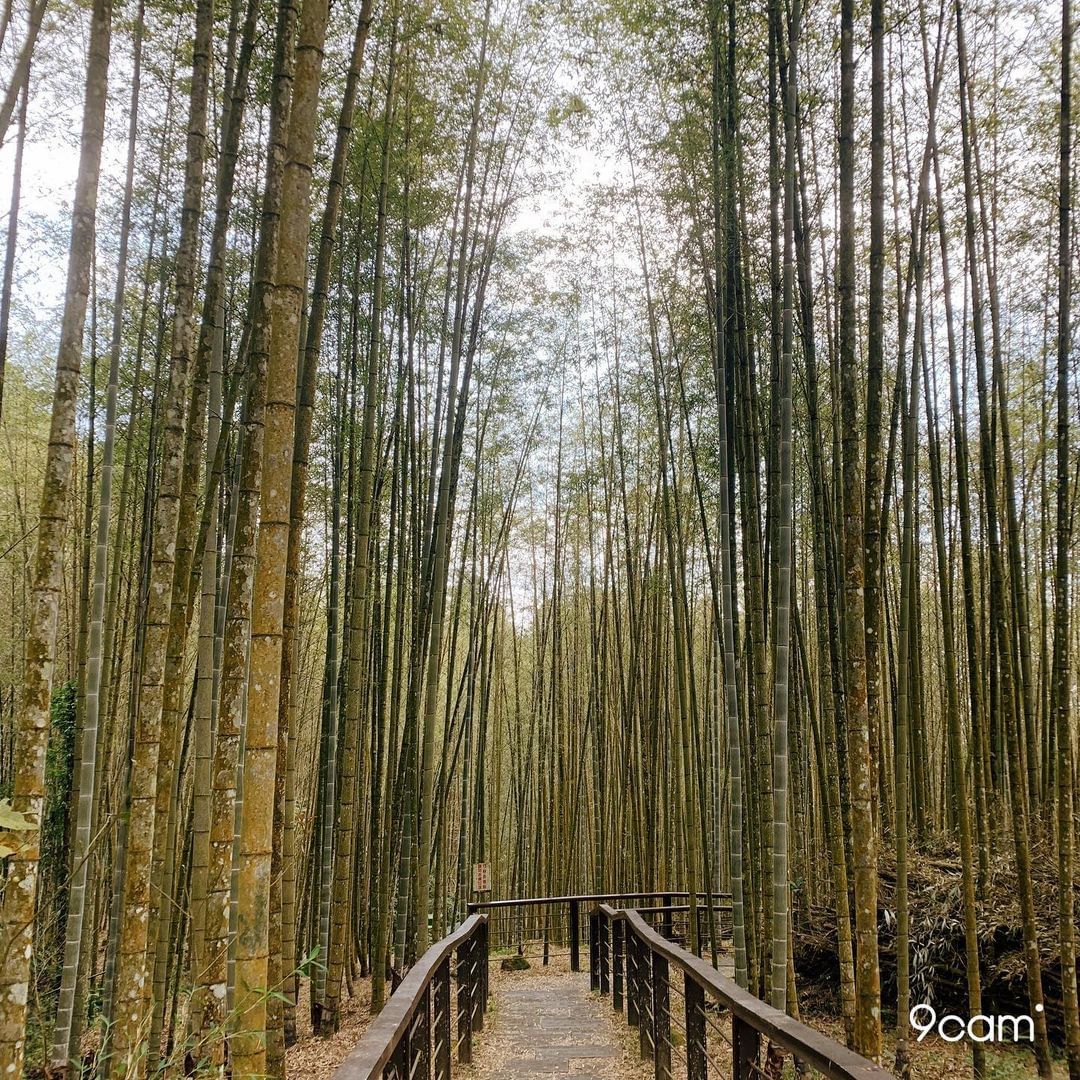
(481, 876)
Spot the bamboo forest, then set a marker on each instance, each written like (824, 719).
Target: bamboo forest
(491, 489)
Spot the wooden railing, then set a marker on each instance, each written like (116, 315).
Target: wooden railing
(725, 1029)
(413, 1037)
(555, 922)
(703, 1019)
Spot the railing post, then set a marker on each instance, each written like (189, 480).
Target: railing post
(442, 1021)
(744, 1049)
(661, 1018)
(485, 960)
(631, 976)
(594, 950)
(420, 1039)
(575, 936)
(696, 1065)
(603, 924)
(666, 923)
(479, 978)
(401, 1059)
(645, 1000)
(464, 1003)
(618, 939)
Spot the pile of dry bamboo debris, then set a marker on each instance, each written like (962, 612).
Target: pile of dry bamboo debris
(938, 956)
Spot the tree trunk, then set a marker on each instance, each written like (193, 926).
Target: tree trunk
(31, 723)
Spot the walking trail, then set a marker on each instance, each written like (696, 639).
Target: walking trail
(547, 1023)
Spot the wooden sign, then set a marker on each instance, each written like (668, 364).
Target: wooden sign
(481, 876)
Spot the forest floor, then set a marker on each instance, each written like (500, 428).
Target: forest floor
(313, 1057)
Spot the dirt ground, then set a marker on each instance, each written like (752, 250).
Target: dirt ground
(314, 1057)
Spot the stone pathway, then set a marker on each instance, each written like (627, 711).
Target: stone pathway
(551, 1025)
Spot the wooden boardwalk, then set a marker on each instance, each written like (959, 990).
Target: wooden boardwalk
(548, 1025)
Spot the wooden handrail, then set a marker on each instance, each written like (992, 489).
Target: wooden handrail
(391, 1027)
(660, 909)
(827, 1056)
(582, 899)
